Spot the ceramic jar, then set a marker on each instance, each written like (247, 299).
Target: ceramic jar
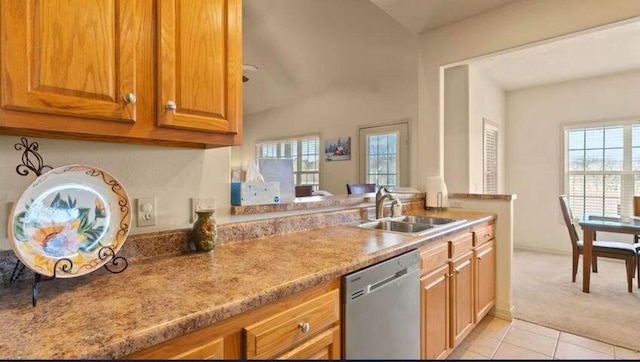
(205, 231)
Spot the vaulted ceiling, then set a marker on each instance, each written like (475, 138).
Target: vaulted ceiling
(304, 48)
(420, 16)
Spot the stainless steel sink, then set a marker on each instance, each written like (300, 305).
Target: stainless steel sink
(399, 226)
(409, 224)
(426, 220)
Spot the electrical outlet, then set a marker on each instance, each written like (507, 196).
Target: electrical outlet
(201, 203)
(146, 211)
(455, 204)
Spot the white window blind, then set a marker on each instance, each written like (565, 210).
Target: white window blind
(490, 158)
(305, 152)
(602, 169)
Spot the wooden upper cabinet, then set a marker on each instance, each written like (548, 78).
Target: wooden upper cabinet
(69, 57)
(200, 65)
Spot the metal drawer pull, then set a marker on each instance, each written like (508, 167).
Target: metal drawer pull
(486, 236)
(130, 98)
(171, 106)
(304, 327)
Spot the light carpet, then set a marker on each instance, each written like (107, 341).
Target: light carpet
(544, 294)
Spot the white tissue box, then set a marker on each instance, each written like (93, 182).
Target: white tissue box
(255, 193)
(280, 170)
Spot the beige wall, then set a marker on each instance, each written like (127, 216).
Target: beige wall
(535, 158)
(486, 100)
(456, 128)
(514, 25)
(172, 175)
(332, 115)
(340, 65)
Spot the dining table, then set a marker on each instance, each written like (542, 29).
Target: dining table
(591, 224)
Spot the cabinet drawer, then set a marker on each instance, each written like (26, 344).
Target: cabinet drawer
(192, 346)
(483, 234)
(323, 347)
(460, 244)
(270, 336)
(433, 256)
(211, 350)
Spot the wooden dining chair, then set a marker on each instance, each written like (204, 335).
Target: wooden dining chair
(604, 249)
(356, 189)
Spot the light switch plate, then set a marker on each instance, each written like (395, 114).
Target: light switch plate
(201, 203)
(146, 208)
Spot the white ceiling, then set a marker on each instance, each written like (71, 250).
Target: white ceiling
(608, 51)
(420, 16)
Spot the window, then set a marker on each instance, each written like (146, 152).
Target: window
(602, 169)
(490, 158)
(305, 152)
(385, 155)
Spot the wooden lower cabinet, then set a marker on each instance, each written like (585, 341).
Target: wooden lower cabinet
(462, 317)
(456, 292)
(485, 275)
(434, 311)
(301, 326)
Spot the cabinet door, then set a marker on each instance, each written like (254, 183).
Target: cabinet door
(199, 65)
(462, 317)
(69, 57)
(485, 279)
(323, 347)
(434, 312)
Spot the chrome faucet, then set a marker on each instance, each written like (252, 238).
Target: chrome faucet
(386, 192)
(381, 195)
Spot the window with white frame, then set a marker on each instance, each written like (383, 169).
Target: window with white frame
(602, 169)
(384, 151)
(490, 158)
(305, 152)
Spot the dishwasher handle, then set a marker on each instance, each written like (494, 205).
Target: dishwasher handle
(385, 281)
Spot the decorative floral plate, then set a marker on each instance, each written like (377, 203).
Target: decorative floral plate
(71, 212)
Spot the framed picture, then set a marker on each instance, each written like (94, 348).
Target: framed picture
(337, 149)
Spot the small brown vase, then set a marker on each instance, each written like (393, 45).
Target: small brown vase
(205, 231)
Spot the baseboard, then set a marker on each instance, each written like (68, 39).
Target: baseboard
(506, 314)
(542, 250)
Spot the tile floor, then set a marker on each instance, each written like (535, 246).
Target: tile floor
(494, 338)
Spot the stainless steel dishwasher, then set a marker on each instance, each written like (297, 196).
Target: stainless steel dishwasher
(382, 310)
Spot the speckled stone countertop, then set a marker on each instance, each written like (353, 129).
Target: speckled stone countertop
(104, 315)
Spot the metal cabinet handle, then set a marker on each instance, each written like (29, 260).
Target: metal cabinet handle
(487, 236)
(130, 98)
(304, 327)
(171, 106)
